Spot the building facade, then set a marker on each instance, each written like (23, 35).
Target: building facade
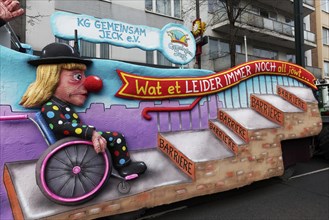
(320, 25)
(265, 30)
(151, 13)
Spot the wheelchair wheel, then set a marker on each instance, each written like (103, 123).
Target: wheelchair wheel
(70, 172)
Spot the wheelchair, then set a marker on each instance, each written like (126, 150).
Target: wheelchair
(70, 172)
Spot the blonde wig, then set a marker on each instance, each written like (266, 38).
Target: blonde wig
(45, 84)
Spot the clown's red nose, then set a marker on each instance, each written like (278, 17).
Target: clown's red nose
(93, 84)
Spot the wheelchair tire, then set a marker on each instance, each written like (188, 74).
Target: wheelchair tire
(70, 172)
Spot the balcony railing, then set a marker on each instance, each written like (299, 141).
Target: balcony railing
(272, 25)
(287, 6)
(249, 20)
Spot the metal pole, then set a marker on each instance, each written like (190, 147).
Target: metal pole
(197, 9)
(245, 47)
(299, 32)
(76, 42)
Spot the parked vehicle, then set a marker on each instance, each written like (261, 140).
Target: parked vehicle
(322, 140)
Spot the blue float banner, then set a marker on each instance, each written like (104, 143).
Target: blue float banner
(174, 41)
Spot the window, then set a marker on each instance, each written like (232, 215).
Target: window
(215, 5)
(149, 5)
(59, 40)
(149, 57)
(104, 51)
(291, 58)
(219, 48)
(289, 21)
(326, 68)
(325, 5)
(266, 14)
(161, 60)
(177, 9)
(163, 7)
(263, 13)
(87, 49)
(325, 36)
(269, 54)
(155, 57)
(238, 48)
(170, 8)
(254, 10)
(273, 15)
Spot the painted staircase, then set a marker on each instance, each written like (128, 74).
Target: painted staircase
(243, 145)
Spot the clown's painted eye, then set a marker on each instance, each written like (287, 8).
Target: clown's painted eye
(77, 76)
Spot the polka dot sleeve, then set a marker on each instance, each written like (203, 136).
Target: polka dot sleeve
(64, 122)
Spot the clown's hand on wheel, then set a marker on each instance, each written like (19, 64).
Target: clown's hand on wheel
(99, 142)
(10, 9)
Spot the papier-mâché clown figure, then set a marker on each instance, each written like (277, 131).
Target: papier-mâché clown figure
(60, 83)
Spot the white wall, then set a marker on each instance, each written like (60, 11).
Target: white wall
(136, 4)
(38, 31)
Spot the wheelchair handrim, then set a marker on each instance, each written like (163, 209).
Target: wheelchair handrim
(76, 199)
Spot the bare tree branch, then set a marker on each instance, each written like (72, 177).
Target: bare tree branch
(225, 10)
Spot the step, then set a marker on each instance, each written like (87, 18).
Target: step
(272, 107)
(232, 141)
(187, 148)
(297, 96)
(244, 121)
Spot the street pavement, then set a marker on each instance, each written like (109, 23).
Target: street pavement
(303, 196)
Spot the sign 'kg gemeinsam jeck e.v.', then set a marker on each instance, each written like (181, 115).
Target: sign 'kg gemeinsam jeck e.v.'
(174, 41)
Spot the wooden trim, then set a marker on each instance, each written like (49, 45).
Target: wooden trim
(12, 196)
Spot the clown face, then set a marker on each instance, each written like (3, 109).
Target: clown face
(71, 87)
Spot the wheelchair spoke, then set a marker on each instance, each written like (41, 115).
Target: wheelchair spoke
(63, 162)
(94, 170)
(73, 187)
(56, 177)
(92, 159)
(84, 155)
(90, 180)
(94, 164)
(82, 184)
(98, 166)
(91, 171)
(57, 169)
(68, 156)
(76, 154)
(63, 186)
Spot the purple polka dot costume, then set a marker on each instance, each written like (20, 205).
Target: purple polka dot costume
(64, 122)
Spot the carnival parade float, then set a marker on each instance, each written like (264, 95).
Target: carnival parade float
(199, 132)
